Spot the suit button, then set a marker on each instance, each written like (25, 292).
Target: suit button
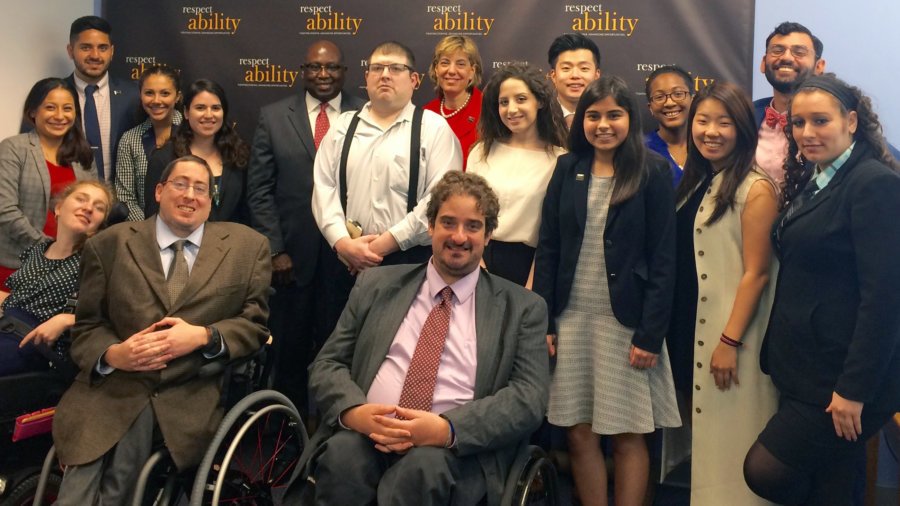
(703, 276)
(703, 299)
(702, 321)
(612, 275)
(701, 209)
(699, 365)
(700, 253)
(608, 242)
(697, 387)
(698, 410)
(699, 230)
(709, 191)
(155, 394)
(699, 343)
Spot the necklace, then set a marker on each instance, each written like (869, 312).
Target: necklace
(454, 113)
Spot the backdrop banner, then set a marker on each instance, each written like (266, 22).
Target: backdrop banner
(254, 48)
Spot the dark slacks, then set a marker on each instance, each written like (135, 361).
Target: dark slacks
(294, 340)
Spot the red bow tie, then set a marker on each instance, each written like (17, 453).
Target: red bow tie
(775, 118)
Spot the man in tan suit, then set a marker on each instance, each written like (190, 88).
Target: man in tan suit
(158, 299)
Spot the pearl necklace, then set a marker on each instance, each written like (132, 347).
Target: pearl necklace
(454, 113)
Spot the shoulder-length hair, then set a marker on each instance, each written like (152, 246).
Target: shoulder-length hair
(74, 147)
(738, 163)
(630, 157)
(550, 124)
(449, 45)
(230, 145)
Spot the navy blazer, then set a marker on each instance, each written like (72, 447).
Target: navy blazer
(835, 324)
(639, 247)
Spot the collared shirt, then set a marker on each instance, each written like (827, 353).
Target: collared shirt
(566, 112)
(455, 384)
(771, 150)
(312, 110)
(823, 177)
(101, 100)
(165, 238)
(378, 175)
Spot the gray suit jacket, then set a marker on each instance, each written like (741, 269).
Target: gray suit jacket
(123, 290)
(25, 194)
(511, 381)
(280, 180)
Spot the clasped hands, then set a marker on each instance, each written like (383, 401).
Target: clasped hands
(395, 435)
(154, 347)
(357, 254)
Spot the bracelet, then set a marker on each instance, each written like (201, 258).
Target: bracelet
(452, 435)
(730, 342)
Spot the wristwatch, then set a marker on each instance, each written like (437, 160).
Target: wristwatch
(215, 341)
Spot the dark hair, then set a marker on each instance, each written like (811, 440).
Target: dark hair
(85, 23)
(668, 69)
(392, 46)
(572, 42)
(550, 124)
(230, 145)
(789, 27)
(455, 182)
(160, 70)
(738, 163)
(868, 131)
(629, 158)
(452, 44)
(74, 147)
(186, 158)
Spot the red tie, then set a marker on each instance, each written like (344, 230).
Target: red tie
(418, 388)
(321, 124)
(775, 118)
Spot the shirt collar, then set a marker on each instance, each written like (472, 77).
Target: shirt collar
(566, 112)
(405, 115)
(165, 237)
(462, 288)
(101, 84)
(312, 103)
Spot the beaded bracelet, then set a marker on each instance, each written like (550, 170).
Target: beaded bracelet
(730, 342)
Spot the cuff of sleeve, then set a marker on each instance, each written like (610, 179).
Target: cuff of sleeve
(402, 235)
(334, 233)
(102, 368)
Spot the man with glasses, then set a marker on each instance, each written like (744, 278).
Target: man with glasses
(158, 299)
(280, 185)
(373, 173)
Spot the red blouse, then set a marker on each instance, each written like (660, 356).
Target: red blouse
(465, 123)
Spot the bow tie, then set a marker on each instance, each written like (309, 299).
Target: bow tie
(775, 118)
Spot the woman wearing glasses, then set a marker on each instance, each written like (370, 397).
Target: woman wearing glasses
(833, 342)
(456, 72)
(669, 97)
(206, 133)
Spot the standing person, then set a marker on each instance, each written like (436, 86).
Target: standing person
(279, 193)
(37, 165)
(723, 296)
(206, 133)
(457, 71)
(109, 105)
(605, 265)
(370, 194)
(832, 342)
(574, 64)
(160, 88)
(522, 134)
(669, 95)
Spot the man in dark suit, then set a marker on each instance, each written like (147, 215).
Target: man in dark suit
(280, 185)
(392, 432)
(158, 299)
(115, 102)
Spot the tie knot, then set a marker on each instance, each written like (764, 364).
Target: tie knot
(178, 246)
(323, 106)
(90, 89)
(446, 295)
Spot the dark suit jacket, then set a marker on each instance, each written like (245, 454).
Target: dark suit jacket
(280, 181)
(123, 291)
(232, 198)
(835, 323)
(639, 246)
(511, 381)
(124, 113)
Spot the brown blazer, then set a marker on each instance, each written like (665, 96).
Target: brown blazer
(122, 292)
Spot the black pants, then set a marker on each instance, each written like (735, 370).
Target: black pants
(509, 260)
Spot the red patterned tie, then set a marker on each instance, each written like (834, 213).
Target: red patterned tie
(418, 388)
(321, 124)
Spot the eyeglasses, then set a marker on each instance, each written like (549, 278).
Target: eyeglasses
(676, 96)
(315, 68)
(395, 69)
(200, 190)
(778, 50)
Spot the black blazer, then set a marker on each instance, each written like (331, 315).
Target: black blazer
(280, 181)
(835, 323)
(639, 245)
(232, 202)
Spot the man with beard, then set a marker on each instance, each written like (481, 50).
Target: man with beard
(793, 53)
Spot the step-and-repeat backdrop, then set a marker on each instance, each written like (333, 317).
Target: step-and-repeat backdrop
(254, 48)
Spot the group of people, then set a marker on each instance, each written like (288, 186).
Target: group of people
(526, 219)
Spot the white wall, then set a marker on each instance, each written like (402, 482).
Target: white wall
(862, 43)
(34, 36)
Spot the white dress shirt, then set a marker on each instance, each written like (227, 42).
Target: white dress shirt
(312, 110)
(101, 100)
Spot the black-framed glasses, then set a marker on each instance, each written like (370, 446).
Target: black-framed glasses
(181, 186)
(798, 51)
(315, 68)
(395, 69)
(677, 96)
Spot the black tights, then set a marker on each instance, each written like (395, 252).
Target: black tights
(829, 484)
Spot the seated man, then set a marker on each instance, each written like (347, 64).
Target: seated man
(435, 372)
(158, 299)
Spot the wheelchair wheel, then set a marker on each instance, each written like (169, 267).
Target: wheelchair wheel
(533, 480)
(253, 454)
(25, 492)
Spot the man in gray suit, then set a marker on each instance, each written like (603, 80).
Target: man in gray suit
(280, 185)
(486, 392)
